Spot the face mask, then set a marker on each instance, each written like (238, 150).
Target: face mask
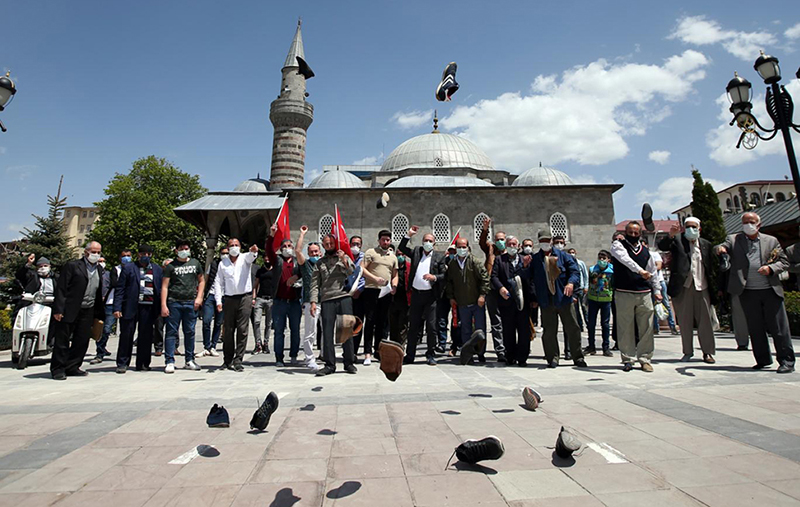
(314, 259)
(602, 264)
(224, 256)
(355, 249)
(500, 244)
(44, 271)
(692, 233)
(93, 258)
(427, 246)
(234, 251)
(462, 252)
(286, 252)
(451, 256)
(750, 229)
(144, 259)
(125, 259)
(559, 246)
(527, 250)
(633, 240)
(401, 260)
(512, 251)
(183, 254)
(103, 265)
(545, 247)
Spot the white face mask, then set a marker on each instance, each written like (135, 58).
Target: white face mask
(234, 251)
(43, 271)
(545, 247)
(93, 258)
(527, 250)
(512, 251)
(286, 252)
(427, 246)
(750, 229)
(355, 249)
(559, 246)
(462, 252)
(183, 254)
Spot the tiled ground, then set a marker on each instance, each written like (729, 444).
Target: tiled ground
(686, 435)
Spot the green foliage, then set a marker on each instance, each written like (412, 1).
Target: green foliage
(792, 301)
(705, 206)
(138, 209)
(5, 319)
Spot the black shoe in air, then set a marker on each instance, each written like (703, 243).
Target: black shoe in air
(218, 417)
(473, 451)
(448, 86)
(647, 217)
(261, 416)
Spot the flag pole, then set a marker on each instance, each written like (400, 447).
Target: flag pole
(454, 237)
(336, 221)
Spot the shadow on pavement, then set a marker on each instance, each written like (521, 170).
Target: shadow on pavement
(346, 489)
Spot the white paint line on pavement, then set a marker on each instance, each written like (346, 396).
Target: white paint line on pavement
(609, 453)
(189, 456)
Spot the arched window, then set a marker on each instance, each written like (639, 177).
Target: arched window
(325, 225)
(728, 203)
(755, 199)
(736, 204)
(780, 197)
(441, 228)
(768, 197)
(400, 226)
(558, 225)
(478, 226)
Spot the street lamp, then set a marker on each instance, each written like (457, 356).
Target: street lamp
(779, 106)
(7, 91)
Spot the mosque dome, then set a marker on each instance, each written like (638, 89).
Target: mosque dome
(337, 179)
(437, 150)
(252, 185)
(542, 176)
(423, 181)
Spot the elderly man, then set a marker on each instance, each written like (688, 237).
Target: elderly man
(756, 261)
(78, 301)
(467, 284)
(691, 287)
(287, 293)
(512, 281)
(492, 250)
(234, 283)
(426, 277)
(634, 281)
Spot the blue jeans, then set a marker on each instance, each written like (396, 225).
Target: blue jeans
(665, 300)
(108, 325)
(605, 321)
(210, 313)
(466, 314)
(281, 309)
(180, 312)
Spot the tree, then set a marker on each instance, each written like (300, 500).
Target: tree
(138, 209)
(705, 206)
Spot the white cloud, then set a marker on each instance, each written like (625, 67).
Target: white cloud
(368, 160)
(413, 119)
(674, 193)
(21, 172)
(793, 32)
(584, 115)
(700, 31)
(722, 139)
(659, 156)
(590, 179)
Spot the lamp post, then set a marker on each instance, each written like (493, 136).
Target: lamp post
(7, 91)
(779, 106)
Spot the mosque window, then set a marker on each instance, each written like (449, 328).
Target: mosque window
(755, 199)
(478, 225)
(437, 162)
(736, 203)
(780, 197)
(441, 228)
(728, 203)
(400, 226)
(325, 226)
(558, 225)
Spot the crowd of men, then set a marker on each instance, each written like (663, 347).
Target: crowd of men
(403, 292)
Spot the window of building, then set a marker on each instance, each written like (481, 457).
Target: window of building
(84, 214)
(88, 228)
(400, 226)
(441, 228)
(68, 213)
(768, 197)
(558, 225)
(91, 214)
(83, 228)
(728, 203)
(780, 197)
(325, 226)
(736, 203)
(755, 199)
(478, 225)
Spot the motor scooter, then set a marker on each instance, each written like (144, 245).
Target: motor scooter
(30, 336)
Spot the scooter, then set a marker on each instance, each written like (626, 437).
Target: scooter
(30, 334)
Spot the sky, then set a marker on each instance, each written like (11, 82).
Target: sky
(623, 92)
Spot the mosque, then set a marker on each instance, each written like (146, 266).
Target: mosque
(441, 182)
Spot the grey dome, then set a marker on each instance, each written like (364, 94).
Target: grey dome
(438, 181)
(437, 150)
(252, 185)
(337, 179)
(542, 176)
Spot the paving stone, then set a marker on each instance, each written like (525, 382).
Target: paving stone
(524, 484)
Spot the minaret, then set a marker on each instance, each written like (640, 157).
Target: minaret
(291, 115)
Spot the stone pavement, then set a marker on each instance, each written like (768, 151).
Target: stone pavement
(687, 434)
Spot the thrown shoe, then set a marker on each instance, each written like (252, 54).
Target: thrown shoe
(303, 68)
(262, 415)
(647, 217)
(391, 359)
(627, 367)
(475, 343)
(531, 398)
(567, 443)
(448, 86)
(218, 417)
(473, 451)
(519, 295)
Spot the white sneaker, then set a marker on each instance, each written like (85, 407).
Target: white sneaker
(313, 366)
(191, 365)
(213, 352)
(170, 368)
(367, 362)
(203, 353)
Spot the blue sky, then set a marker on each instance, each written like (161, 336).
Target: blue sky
(605, 91)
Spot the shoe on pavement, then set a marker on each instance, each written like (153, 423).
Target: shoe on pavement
(191, 365)
(213, 352)
(580, 363)
(686, 358)
(501, 357)
(218, 417)
(567, 356)
(279, 364)
(77, 372)
(262, 415)
(608, 353)
(627, 367)
(59, 376)
(567, 443)
(785, 368)
(202, 353)
(553, 363)
(121, 369)
(351, 369)
(742, 347)
(324, 371)
(431, 361)
(238, 368)
(475, 342)
(759, 366)
(709, 359)
(531, 398)
(473, 451)
(96, 360)
(367, 361)
(647, 368)
(169, 368)
(673, 330)
(589, 351)
(448, 86)
(439, 349)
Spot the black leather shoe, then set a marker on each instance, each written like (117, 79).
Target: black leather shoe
(759, 366)
(143, 368)
(59, 376)
(218, 417)
(501, 358)
(742, 347)
(77, 372)
(567, 356)
(553, 363)
(262, 415)
(580, 363)
(351, 369)
(785, 368)
(122, 369)
(627, 367)
(324, 371)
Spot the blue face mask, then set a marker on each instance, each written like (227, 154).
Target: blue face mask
(144, 260)
(313, 259)
(692, 233)
(500, 244)
(602, 264)
(125, 259)
(401, 259)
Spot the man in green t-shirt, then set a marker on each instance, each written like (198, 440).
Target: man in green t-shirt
(181, 296)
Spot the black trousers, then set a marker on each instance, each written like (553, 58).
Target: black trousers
(516, 332)
(376, 313)
(67, 357)
(235, 327)
(358, 311)
(330, 309)
(398, 321)
(422, 310)
(144, 320)
(765, 312)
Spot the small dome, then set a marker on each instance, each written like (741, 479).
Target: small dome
(542, 176)
(437, 151)
(337, 179)
(438, 181)
(252, 185)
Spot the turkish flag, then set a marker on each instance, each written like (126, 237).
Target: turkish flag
(458, 236)
(337, 229)
(283, 232)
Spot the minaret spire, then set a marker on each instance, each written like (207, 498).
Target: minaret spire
(296, 49)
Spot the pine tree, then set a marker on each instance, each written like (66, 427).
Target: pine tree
(705, 206)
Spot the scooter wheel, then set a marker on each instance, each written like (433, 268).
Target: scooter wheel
(14, 358)
(25, 353)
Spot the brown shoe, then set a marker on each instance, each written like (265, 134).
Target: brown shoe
(647, 368)
(708, 358)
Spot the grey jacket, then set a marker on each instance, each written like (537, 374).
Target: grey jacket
(772, 255)
(327, 281)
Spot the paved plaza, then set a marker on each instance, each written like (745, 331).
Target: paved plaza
(687, 434)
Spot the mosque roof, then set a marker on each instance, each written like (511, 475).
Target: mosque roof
(337, 178)
(296, 49)
(423, 181)
(542, 176)
(253, 185)
(437, 150)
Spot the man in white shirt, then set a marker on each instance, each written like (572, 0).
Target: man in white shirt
(234, 283)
